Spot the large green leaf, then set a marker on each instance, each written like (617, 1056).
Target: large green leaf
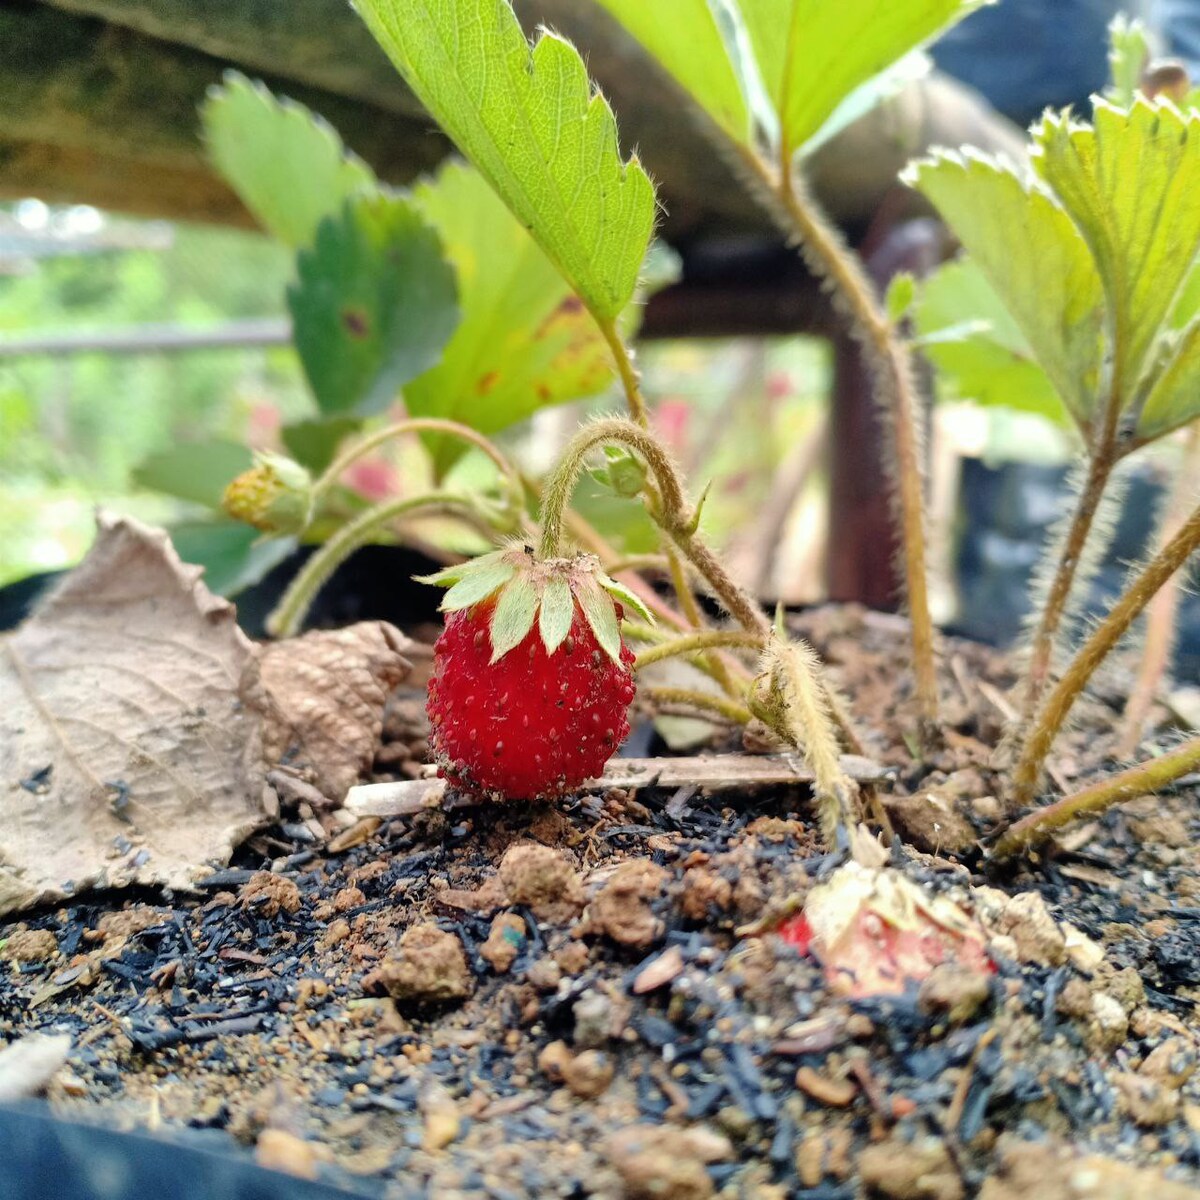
(373, 305)
(233, 555)
(525, 341)
(313, 443)
(811, 54)
(288, 166)
(195, 471)
(685, 38)
(1131, 183)
(1032, 255)
(977, 347)
(1174, 400)
(529, 120)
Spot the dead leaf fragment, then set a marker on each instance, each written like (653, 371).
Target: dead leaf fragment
(29, 1063)
(130, 748)
(326, 693)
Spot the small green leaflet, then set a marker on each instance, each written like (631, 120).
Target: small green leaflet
(530, 122)
(557, 613)
(1034, 258)
(684, 37)
(485, 575)
(514, 614)
(373, 305)
(631, 600)
(1128, 53)
(811, 54)
(288, 166)
(524, 342)
(978, 349)
(597, 608)
(1174, 400)
(1131, 184)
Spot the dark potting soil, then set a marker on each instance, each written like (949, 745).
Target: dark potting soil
(608, 964)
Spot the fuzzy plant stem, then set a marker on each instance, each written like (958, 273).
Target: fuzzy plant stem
(1162, 612)
(690, 643)
(374, 440)
(288, 615)
(673, 514)
(706, 702)
(1069, 558)
(827, 254)
(715, 664)
(1095, 650)
(630, 380)
(1146, 777)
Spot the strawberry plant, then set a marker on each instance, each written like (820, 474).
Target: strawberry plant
(513, 282)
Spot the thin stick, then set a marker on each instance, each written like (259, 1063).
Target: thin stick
(1151, 776)
(1094, 651)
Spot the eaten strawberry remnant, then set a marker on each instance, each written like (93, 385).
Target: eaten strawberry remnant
(532, 680)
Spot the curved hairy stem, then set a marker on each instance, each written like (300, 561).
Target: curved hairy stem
(1098, 646)
(714, 664)
(735, 713)
(1149, 776)
(288, 615)
(690, 643)
(671, 511)
(374, 440)
(828, 256)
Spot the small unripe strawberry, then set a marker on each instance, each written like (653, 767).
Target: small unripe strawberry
(273, 495)
(531, 682)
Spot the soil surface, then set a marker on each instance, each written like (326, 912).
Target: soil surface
(592, 1000)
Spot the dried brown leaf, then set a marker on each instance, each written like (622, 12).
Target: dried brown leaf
(326, 692)
(130, 740)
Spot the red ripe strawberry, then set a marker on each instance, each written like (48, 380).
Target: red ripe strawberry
(531, 679)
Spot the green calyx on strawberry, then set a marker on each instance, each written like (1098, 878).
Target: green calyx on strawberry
(531, 682)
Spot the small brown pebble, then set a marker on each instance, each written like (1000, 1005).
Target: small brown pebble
(348, 898)
(1171, 1063)
(278, 1150)
(337, 931)
(704, 891)
(622, 910)
(956, 990)
(572, 958)
(28, 945)
(900, 1170)
(268, 894)
(659, 972)
(428, 966)
(442, 1122)
(1145, 1100)
(658, 1162)
(542, 879)
(588, 1074)
(505, 940)
(545, 975)
(1027, 920)
(834, 1093)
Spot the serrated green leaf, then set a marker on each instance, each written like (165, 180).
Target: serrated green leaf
(1174, 400)
(314, 443)
(598, 611)
(1131, 183)
(1033, 256)
(1128, 53)
(685, 39)
(630, 599)
(557, 613)
(812, 54)
(513, 616)
(976, 346)
(530, 122)
(486, 576)
(373, 305)
(524, 342)
(195, 471)
(288, 166)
